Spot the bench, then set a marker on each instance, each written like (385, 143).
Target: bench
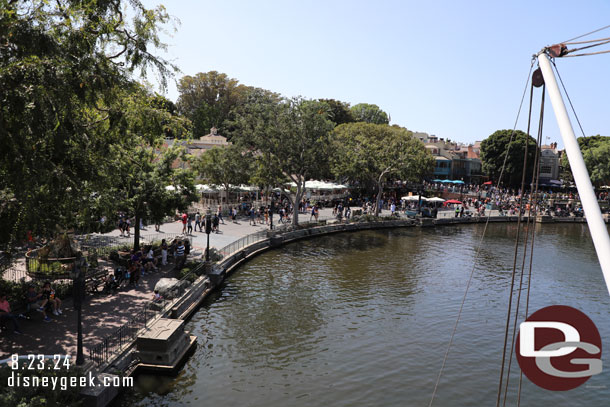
(95, 278)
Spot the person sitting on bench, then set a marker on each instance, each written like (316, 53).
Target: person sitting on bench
(49, 297)
(6, 315)
(33, 300)
(150, 262)
(111, 283)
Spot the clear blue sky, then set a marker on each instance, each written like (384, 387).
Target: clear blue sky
(456, 69)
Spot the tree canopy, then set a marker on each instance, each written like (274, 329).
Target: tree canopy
(596, 153)
(144, 167)
(293, 132)
(208, 100)
(369, 113)
(224, 166)
(367, 152)
(339, 111)
(493, 153)
(64, 70)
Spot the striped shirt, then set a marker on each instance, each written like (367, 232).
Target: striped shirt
(180, 250)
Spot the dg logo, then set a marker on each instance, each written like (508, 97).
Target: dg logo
(559, 348)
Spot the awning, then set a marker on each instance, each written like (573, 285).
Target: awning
(413, 198)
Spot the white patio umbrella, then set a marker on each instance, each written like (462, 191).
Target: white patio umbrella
(436, 199)
(414, 198)
(205, 188)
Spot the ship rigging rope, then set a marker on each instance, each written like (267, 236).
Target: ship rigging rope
(525, 243)
(586, 42)
(586, 54)
(440, 373)
(584, 35)
(568, 97)
(568, 52)
(516, 251)
(535, 202)
(565, 91)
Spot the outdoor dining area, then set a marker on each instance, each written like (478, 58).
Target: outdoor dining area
(316, 191)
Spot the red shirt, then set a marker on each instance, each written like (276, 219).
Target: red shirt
(184, 218)
(5, 306)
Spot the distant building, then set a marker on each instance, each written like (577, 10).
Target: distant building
(453, 160)
(549, 163)
(199, 146)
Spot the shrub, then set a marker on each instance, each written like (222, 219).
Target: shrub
(23, 396)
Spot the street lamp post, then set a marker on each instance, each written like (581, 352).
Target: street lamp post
(208, 230)
(271, 210)
(78, 286)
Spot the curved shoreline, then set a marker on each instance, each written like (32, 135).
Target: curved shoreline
(184, 307)
(223, 269)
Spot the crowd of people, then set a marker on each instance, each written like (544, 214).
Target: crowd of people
(43, 300)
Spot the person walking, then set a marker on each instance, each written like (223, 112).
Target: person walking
(189, 223)
(252, 217)
(197, 221)
(184, 216)
(219, 214)
(216, 224)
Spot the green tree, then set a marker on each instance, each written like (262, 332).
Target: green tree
(367, 152)
(175, 126)
(339, 111)
(144, 168)
(369, 113)
(208, 99)
(493, 154)
(596, 154)
(63, 68)
(224, 166)
(294, 133)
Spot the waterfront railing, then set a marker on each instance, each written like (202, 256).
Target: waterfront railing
(124, 336)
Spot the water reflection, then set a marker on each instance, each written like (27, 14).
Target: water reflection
(363, 319)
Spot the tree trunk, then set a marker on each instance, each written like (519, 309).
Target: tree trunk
(380, 187)
(297, 199)
(136, 232)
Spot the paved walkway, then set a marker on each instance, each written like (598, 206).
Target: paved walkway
(103, 314)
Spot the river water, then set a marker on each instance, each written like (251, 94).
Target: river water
(364, 319)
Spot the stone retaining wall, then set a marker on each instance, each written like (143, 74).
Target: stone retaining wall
(188, 303)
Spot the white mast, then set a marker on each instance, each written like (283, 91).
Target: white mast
(597, 227)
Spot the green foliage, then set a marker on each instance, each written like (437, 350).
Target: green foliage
(209, 99)
(292, 132)
(373, 153)
(64, 69)
(596, 153)
(224, 166)
(339, 111)
(368, 113)
(267, 171)
(493, 153)
(22, 396)
(143, 167)
(15, 291)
